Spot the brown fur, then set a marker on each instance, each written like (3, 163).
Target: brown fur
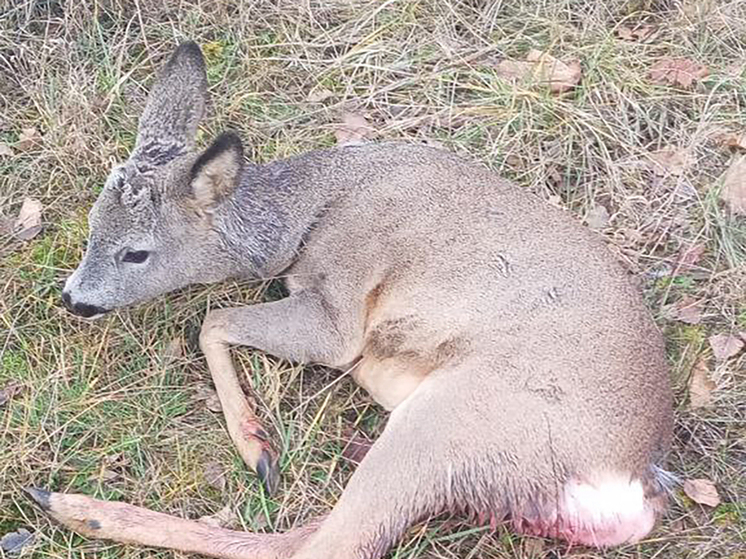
(522, 368)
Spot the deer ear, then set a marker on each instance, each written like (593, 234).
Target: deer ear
(168, 125)
(217, 171)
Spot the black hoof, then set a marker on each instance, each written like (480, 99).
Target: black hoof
(40, 497)
(268, 472)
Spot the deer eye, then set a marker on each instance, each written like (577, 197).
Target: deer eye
(135, 256)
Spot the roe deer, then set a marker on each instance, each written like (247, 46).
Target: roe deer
(526, 381)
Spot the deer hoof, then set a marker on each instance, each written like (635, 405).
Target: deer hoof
(268, 471)
(40, 497)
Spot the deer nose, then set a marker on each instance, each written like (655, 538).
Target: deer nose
(81, 309)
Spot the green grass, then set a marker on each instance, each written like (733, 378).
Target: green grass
(101, 409)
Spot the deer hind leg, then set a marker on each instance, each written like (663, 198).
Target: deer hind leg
(481, 447)
(129, 524)
(403, 478)
(297, 328)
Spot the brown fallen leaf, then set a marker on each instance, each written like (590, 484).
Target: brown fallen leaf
(28, 223)
(5, 150)
(677, 71)
(215, 474)
(544, 68)
(670, 160)
(734, 139)
(353, 130)
(224, 518)
(174, 350)
(14, 542)
(733, 192)
(561, 77)
(597, 218)
(690, 256)
(639, 33)
(701, 385)
(357, 447)
(688, 310)
(209, 398)
(513, 70)
(702, 491)
(7, 393)
(104, 475)
(28, 139)
(725, 346)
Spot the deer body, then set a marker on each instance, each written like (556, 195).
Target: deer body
(525, 378)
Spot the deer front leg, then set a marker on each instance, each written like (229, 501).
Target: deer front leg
(298, 328)
(244, 427)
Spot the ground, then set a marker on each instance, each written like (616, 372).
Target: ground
(122, 408)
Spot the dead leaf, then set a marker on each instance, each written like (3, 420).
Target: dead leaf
(174, 350)
(118, 459)
(702, 491)
(624, 32)
(357, 447)
(733, 192)
(701, 385)
(224, 518)
(561, 77)
(544, 68)
(690, 256)
(14, 542)
(597, 218)
(319, 94)
(688, 310)
(353, 130)
(513, 70)
(729, 139)
(5, 150)
(670, 159)
(725, 346)
(28, 139)
(104, 475)
(28, 223)
(213, 404)
(639, 33)
(214, 473)
(644, 32)
(677, 71)
(8, 392)
(209, 397)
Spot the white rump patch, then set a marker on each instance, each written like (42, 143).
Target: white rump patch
(610, 511)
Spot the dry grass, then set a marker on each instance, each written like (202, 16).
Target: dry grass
(106, 411)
